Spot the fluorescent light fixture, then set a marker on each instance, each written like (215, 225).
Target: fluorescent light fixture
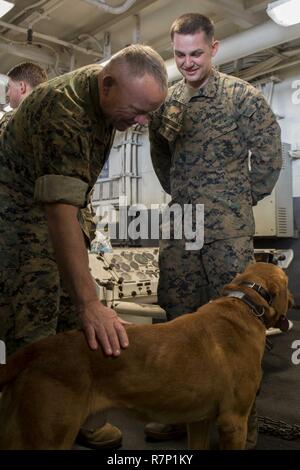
(284, 12)
(5, 7)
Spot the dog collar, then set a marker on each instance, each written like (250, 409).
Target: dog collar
(258, 310)
(259, 289)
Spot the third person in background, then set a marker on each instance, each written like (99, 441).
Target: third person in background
(23, 78)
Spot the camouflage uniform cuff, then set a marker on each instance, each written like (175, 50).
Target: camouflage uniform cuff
(59, 188)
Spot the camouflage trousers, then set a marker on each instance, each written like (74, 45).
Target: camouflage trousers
(189, 279)
(33, 303)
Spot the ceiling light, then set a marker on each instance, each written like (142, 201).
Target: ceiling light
(284, 12)
(5, 7)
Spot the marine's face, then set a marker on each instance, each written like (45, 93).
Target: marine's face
(193, 55)
(129, 101)
(14, 93)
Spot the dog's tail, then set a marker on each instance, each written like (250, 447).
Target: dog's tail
(16, 363)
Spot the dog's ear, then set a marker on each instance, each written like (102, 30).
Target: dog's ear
(280, 299)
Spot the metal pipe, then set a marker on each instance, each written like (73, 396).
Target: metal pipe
(95, 40)
(136, 167)
(52, 39)
(274, 69)
(127, 145)
(124, 165)
(45, 14)
(28, 8)
(29, 53)
(110, 9)
(136, 34)
(133, 167)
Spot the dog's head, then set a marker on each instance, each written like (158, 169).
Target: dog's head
(274, 280)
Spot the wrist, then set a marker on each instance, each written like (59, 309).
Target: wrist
(82, 305)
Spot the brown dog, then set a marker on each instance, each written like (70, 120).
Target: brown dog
(200, 368)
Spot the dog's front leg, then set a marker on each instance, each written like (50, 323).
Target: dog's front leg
(199, 435)
(232, 431)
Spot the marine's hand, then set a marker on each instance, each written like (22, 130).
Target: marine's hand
(102, 325)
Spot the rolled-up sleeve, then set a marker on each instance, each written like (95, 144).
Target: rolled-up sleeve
(62, 147)
(63, 189)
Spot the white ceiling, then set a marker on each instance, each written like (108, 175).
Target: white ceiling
(67, 34)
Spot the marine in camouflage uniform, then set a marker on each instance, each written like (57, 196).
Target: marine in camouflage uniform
(67, 316)
(200, 143)
(52, 150)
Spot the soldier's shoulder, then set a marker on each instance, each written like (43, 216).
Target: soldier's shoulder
(176, 90)
(240, 93)
(238, 86)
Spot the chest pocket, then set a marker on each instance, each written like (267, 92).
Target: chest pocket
(219, 130)
(211, 138)
(206, 121)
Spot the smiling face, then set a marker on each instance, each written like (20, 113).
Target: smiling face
(193, 55)
(128, 100)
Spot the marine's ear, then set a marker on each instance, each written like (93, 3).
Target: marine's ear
(108, 82)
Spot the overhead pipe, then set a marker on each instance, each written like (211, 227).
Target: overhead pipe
(110, 9)
(52, 39)
(136, 34)
(28, 52)
(274, 69)
(28, 8)
(259, 38)
(33, 7)
(45, 14)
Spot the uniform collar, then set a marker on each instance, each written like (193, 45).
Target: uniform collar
(209, 90)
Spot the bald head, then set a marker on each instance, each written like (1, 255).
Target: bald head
(138, 60)
(132, 85)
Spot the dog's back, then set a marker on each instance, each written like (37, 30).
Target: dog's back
(198, 367)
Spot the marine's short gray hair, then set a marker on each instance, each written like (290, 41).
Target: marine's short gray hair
(141, 60)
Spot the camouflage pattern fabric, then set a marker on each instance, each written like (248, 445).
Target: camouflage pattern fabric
(200, 141)
(4, 120)
(52, 150)
(189, 279)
